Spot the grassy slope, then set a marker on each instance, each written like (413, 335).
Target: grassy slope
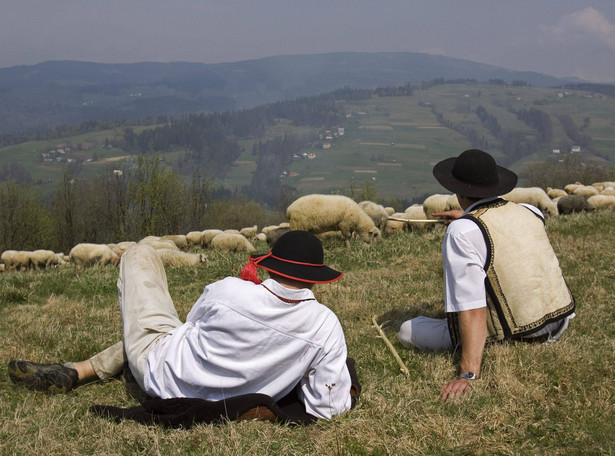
(405, 136)
(532, 399)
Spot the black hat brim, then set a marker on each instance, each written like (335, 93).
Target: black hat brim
(300, 272)
(442, 171)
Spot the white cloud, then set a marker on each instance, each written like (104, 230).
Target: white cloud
(584, 24)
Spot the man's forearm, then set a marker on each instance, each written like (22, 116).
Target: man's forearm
(473, 331)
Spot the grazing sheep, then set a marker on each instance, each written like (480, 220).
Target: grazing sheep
(208, 235)
(17, 260)
(602, 202)
(570, 188)
(249, 232)
(570, 204)
(159, 243)
(121, 247)
(178, 239)
(603, 185)
(93, 254)
(151, 238)
(376, 212)
(273, 235)
(535, 196)
(555, 192)
(439, 203)
(416, 212)
(234, 242)
(2, 267)
(390, 210)
(194, 239)
(396, 226)
(175, 258)
(586, 191)
(232, 231)
(608, 191)
(321, 213)
(42, 259)
(260, 237)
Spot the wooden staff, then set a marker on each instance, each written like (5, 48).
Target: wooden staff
(383, 336)
(417, 221)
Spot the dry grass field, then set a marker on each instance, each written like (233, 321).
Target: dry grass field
(531, 399)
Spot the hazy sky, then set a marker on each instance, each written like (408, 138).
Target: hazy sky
(556, 37)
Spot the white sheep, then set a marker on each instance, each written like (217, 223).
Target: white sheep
(396, 226)
(175, 258)
(439, 203)
(602, 202)
(178, 239)
(376, 212)
(195, 239)
(249, 232)
(321, 213)
(234, 242)
(260, 237)
(121, 247)
(85, 254)
(42, 259)
(159, 243)
(555, 192)
(208, 236)
(586, 191)
(570, 188)
(18, 260)
(390, 210)
(535, 196)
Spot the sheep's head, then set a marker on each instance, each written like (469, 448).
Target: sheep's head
(371, 235)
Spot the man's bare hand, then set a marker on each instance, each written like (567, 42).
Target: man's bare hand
(448, 215)
(455, 389)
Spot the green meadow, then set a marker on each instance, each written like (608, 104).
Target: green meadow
(531, 399)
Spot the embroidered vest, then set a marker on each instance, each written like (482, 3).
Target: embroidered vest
(524, 284)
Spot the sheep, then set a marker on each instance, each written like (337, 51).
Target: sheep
(555, 192)
(603, 185)
(151, 238)
(231, 242)
(178, 239)
(396, 226)
(2, 267)
(570, 188)
(121, 247)
(439, 203)
(376, 212)
(320, 213)
(535, 196)
(249, 232)
(175, 258)
(389, 210)
(570, 204)
(602, 202)
(194, 239)
(42, 259)
(159, 243)
(416, 212)
(208, 235)
(17, 260)
(232, 231)
(93, 254)
(273, 235)
(260, 237)
(586, 191)
(608, 191)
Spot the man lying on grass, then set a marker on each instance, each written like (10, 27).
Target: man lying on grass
(502, 279)
(241, 336)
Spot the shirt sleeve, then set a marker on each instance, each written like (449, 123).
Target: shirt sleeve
(464, 253)
(325, 390)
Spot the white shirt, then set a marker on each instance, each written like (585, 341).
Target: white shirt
(240, 338)
(464, 254)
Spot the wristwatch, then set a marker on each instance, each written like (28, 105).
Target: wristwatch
(468, 375)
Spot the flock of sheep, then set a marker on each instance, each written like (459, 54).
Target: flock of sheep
(324, 215)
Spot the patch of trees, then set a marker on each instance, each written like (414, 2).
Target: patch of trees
(558, 174)
(475, 139)
(149, 199)
(540, 121)
(605, 89)
(573, 132)
(399, 91)
(489, 121)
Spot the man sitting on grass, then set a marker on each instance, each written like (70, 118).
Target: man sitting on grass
(502, 279)
(241, 336)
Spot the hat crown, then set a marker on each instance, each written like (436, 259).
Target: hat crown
(476, 167)
(300, 247)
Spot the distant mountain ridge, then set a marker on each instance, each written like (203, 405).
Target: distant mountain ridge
(49, 94)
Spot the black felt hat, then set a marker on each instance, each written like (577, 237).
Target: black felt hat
(297, 255)
(474, 174)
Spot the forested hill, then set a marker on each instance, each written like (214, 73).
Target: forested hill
(44, 96)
